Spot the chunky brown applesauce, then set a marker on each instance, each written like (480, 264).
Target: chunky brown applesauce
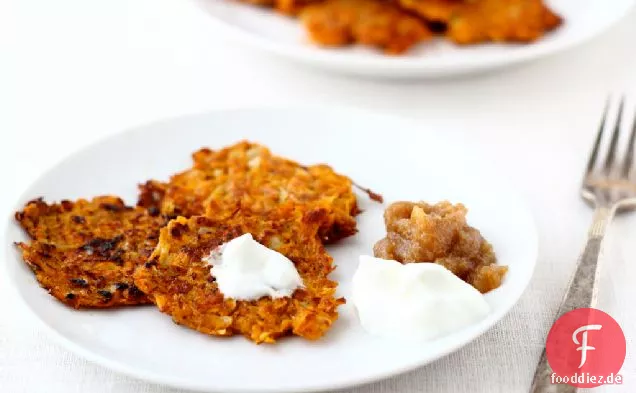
(420, 232)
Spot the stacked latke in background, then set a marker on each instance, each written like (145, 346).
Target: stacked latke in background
(395, 26)
(376, 23)
(97, 253)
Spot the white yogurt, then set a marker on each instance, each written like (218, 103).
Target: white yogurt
(415, 300)
(247, 270)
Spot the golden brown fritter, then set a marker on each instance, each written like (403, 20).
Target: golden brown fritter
(84, 252)
(477, 21)
(179, 282)
(247, 178)
(502, 21)
(419, 232)
(376, 23)
(397, 25)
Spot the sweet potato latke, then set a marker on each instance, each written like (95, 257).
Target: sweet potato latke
(177, 280)
(502, 21)
(84, 252)
(371, 22)
(247, 178)
(397, 25)
(419, 232)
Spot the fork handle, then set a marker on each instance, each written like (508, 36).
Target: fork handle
(582, 292)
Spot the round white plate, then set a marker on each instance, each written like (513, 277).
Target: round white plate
(285, 36)
(389, 155)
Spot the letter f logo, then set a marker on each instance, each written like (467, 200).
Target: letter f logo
(584, 347)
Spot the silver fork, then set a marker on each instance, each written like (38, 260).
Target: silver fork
(609, 188)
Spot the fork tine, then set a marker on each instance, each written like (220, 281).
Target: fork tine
(611, 154)
(629, 157)
(599, 136)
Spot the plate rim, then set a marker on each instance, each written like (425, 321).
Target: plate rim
(409, 67)
(180, 383)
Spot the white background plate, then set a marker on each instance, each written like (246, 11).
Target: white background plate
(285, 36)
(388, 154)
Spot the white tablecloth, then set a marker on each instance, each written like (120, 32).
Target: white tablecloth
(73, 71)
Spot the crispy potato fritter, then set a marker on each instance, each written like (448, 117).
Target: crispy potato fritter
(477, 21)
(502, 21)
(84, 252)
(374, 23)
(247, 178)
(397, 25)
(179, 282)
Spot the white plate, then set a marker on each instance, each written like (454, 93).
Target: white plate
(390, 155)
(285, 36)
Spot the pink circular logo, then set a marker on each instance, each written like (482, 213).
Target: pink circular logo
(586, 348)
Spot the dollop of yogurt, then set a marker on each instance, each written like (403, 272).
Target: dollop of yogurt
(244, 269)
(421, 301)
